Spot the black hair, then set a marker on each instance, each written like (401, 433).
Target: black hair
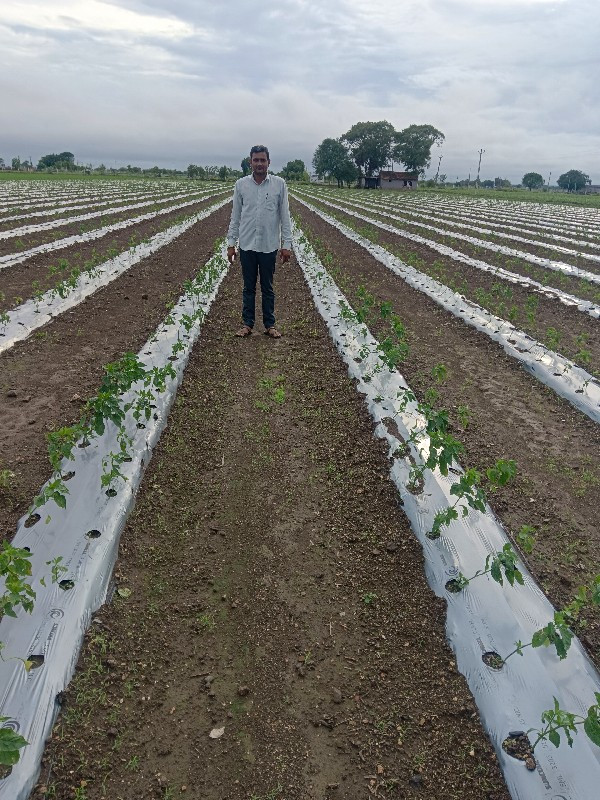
(260, 148)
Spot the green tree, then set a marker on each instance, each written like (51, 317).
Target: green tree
(194, 171)
(413, 146)
(370, 145)
(223, 173)
(294, 170)
(64, 160)
(502, 183)
(331, 160)
(245, 165)
(573, 180)
(488, 184)
(16, 163)
(532, 180)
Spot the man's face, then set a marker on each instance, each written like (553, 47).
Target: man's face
(259, 163)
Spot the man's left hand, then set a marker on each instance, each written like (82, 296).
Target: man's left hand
(285, 255)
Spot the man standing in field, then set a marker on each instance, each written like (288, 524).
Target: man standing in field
(261, 219)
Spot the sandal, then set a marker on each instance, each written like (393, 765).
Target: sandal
(246, 330)
(273, 333)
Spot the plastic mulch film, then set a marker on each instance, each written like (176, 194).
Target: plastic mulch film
(576, 385)
(10, 259)
(86, 535)
(547, 263)
(586, 306)
(484, 617)
(35, 313)
(37, 227)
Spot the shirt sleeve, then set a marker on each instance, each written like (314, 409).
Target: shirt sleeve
(236, 212)
(286, 225)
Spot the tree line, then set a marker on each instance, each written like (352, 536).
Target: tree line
(363, 150)
(370, 146)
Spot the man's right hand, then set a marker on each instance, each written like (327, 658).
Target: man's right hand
(231, 254)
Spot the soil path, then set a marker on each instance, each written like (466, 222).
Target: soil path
(277, 593)
(506, 413)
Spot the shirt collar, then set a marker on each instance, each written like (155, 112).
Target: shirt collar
(267, 178)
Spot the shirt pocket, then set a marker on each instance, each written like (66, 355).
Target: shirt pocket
(272, 201)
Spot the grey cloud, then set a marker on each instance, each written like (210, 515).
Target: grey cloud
(515, 78)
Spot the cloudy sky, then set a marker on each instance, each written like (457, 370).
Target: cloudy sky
(198, 81)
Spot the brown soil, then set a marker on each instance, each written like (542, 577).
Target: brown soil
(277, 602)
(546, 251)
(16, 281)
(572, 325)
(510, 415)
(45, 379)
(501, 233)
(89, 207)
(84, 226)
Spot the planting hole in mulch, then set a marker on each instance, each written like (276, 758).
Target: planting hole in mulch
(493, 660)
(84, 443)
(140, 425)
(453, 586)
(66, 584)
(35, 661)
(93, 534)
(518, 746)
(67, 476)
(111, 493)
(31, 520)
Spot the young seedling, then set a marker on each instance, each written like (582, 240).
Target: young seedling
(495, 564)
(557, 719)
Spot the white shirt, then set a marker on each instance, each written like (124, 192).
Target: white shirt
(261, 215)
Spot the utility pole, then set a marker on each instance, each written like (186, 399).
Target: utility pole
(438, 169)
(549, 176)
(481, 152)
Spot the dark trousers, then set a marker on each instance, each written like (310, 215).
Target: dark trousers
(255, 264)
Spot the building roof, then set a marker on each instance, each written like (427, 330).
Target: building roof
(387, 175)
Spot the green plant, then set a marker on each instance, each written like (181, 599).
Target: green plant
(368, 598)
(439, 373)
(133, 763)
(10, 745)
(552, 338)
(6, 478)
(583, 355)
(464, 416)
(525, 538)
(531, 307)
(557, 719)
(495, 564)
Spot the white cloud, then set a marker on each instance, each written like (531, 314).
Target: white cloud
(91, 15)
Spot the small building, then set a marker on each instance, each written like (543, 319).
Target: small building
(391, 180)
(398, 180)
